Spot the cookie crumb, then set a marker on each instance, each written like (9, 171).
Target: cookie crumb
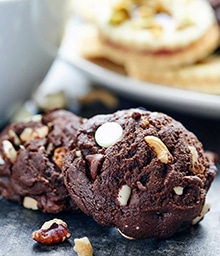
(83, 246)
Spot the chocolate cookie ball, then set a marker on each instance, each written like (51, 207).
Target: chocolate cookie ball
(31, 158)
(139, 171)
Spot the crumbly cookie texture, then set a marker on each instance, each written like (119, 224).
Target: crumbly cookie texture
(32, 153)
(149, 181)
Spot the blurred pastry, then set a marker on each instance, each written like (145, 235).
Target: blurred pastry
(157, 34)
(139, 171)
(31, 157)
(203, 76)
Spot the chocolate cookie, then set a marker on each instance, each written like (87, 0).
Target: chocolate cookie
(139, 171)
(216, 6)
(31, 157)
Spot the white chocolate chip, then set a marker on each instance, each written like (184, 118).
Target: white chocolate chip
(108, 133)
(83, 247)
(178, 190)
(9, 150)
(78, 153)
(30, 203)
(205, 209)
(159, 148)
(124, 194)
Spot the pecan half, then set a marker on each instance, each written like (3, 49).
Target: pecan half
(52, 232)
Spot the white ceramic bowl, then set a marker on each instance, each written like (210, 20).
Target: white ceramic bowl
(30, 34)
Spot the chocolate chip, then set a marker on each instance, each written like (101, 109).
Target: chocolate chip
(136, 116)
(95, 162)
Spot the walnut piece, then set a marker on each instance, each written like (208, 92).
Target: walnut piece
(15, 137)
(159, 148)
(83, 246)
(52, 232)
(30, 203)
(196, 167)
(124, 195)
(58, 156)
(205, 209)
(29, 134)
(125, 236)
(9, 150)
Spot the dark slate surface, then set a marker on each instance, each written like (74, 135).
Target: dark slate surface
(18, 223)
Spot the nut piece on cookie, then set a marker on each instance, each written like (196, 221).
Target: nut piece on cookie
(52, 232)
(83, 247)
(150, 182)
(205, 209)
(159, 148)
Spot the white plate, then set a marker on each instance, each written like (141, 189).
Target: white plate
(176, 99)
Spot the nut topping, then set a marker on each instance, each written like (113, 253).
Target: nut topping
(29, 134)
(159, 148)
(196, 167)
(58, 156)
(125, 236)
(15, 137)
(205, 209)
(124, 194)
(51, 232)
(30, 203)
(83, 246)
(9, 150)
(194, 156)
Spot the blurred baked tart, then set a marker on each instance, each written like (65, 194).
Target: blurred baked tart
(202, 76)
(157, 34)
